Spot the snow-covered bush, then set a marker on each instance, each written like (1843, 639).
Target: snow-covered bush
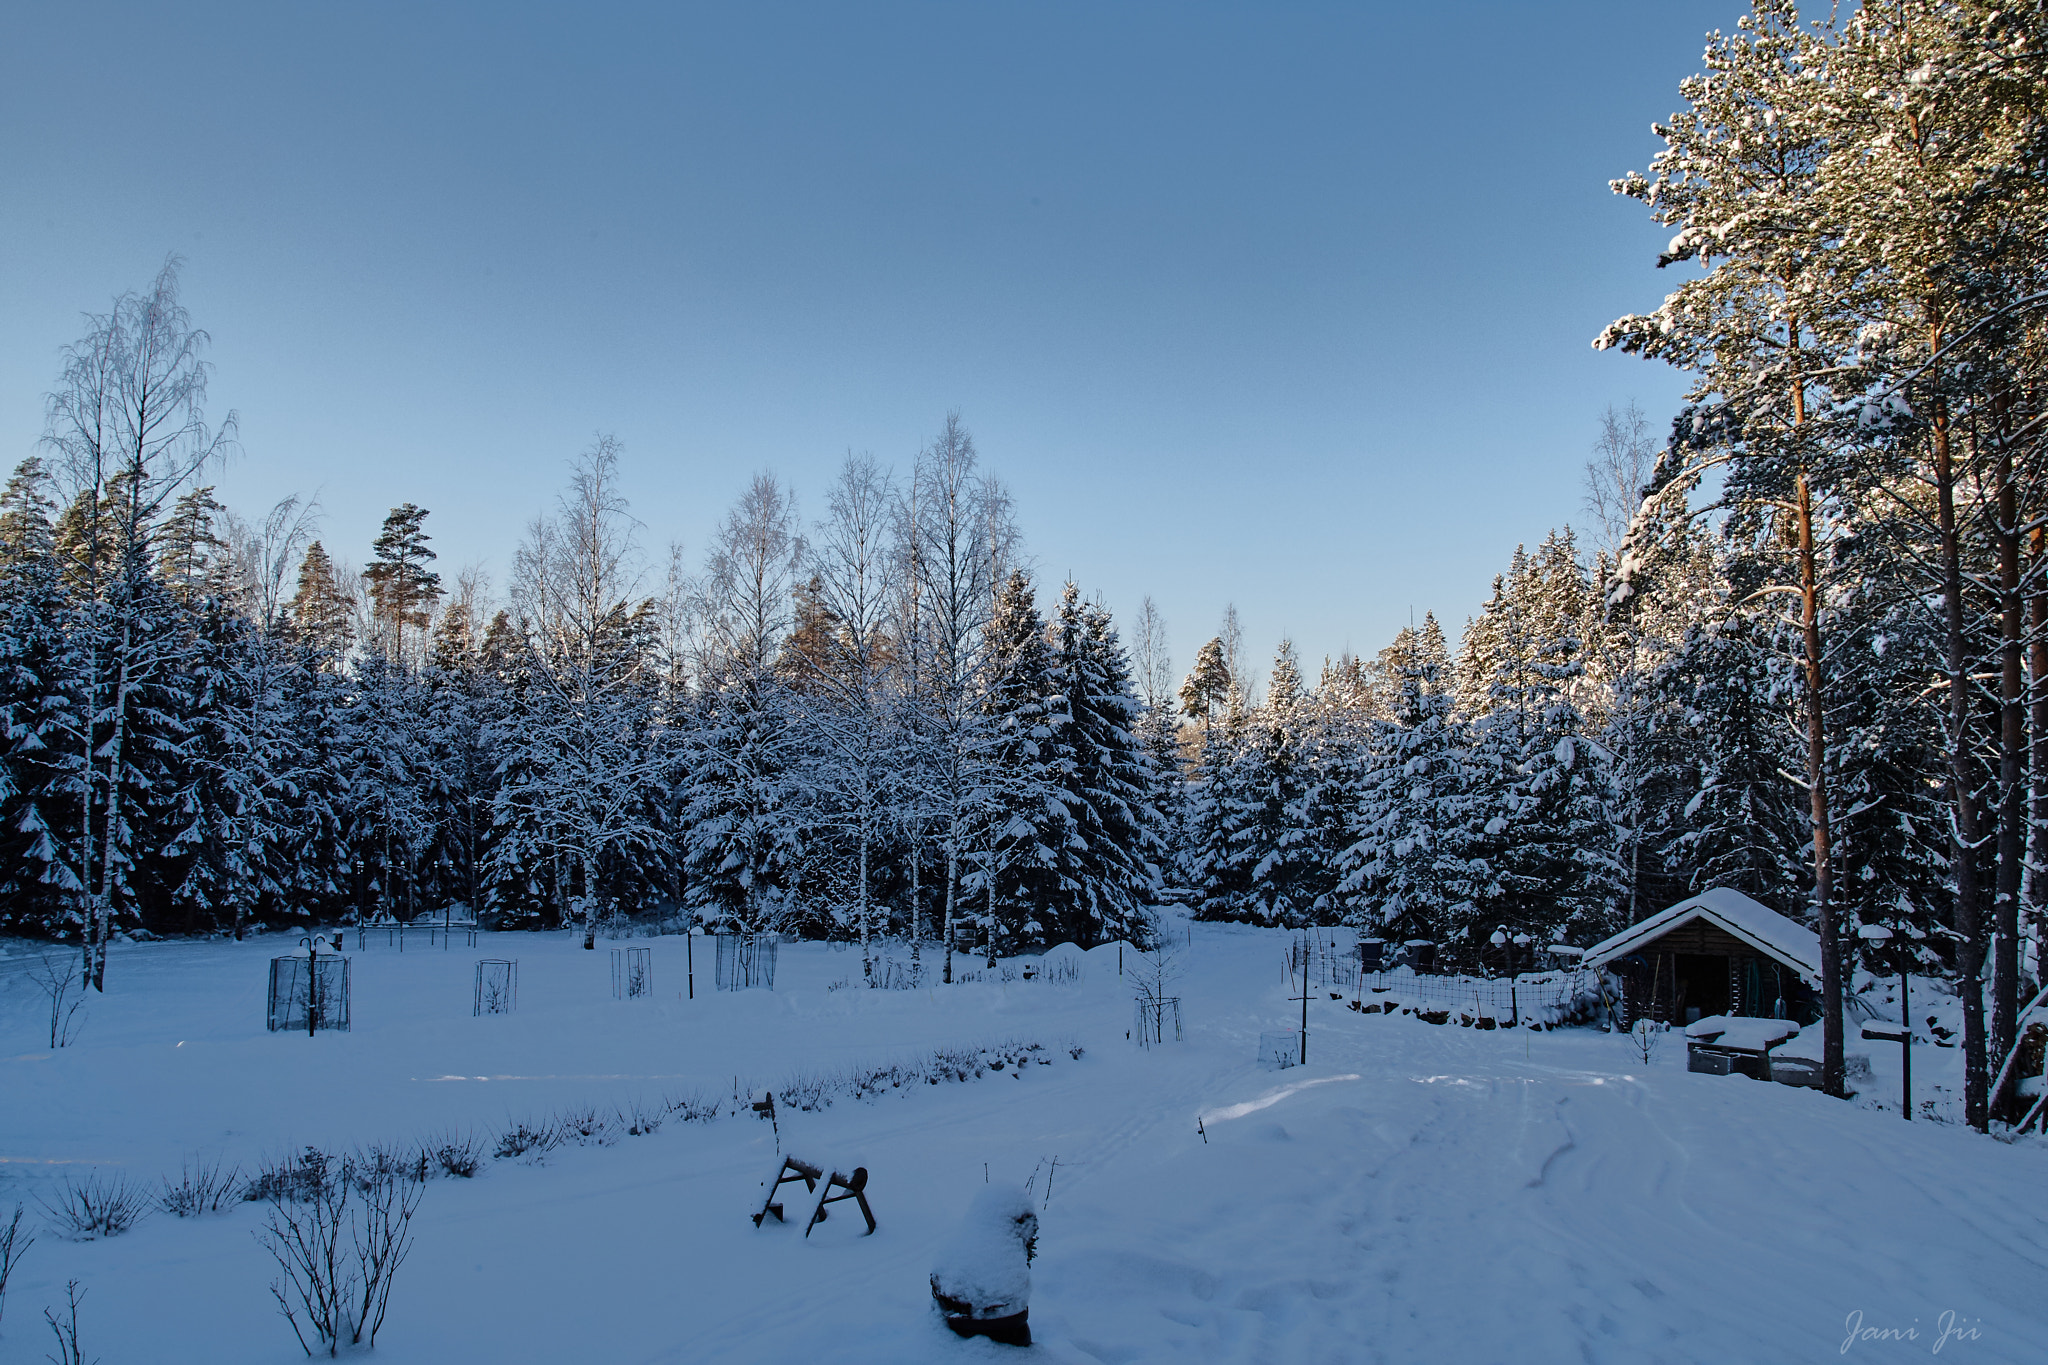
(982, 1279)
(693, 1107)
(525, 1139)
(97, 1206)
(642, 1118)
(806, 1090)
(201, 1187)
(340, 1251)
(374, 1162)
(457, 1154)
(588, 1126)
(302, 1177)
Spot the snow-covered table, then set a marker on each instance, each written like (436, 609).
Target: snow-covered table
(1721, 1045)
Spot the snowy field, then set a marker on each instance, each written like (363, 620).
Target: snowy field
(1414, 1193)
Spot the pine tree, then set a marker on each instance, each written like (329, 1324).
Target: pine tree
(402, 588)
(191, 557)
(1208, 684)
(320, 613)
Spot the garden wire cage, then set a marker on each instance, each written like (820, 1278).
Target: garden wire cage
(497, 986)
(632, 973)
(1280, 1050)
(747, 961)
(309, 993)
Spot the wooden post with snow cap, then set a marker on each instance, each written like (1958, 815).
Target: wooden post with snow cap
(1302, 1057)
(1903, 1036)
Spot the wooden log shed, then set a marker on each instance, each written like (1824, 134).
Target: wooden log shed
(1715, 953)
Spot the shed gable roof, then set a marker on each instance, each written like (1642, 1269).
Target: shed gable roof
(1761, 927)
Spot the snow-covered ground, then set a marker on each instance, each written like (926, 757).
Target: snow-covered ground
(1414, 1193)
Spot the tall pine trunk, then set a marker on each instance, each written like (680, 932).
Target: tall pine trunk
(2037, 632)
(2012, 776)
(1968, 833)
(1832, 1078)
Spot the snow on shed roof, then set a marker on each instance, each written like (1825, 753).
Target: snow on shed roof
(1757, 925)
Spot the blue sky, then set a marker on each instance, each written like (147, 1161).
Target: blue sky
(1285, 305)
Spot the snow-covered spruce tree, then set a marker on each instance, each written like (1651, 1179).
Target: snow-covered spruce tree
(1106, 782)
(38, 697)
(1742, 825)
(1663, 582)
(1222, 800)
(242, 811)
(1284, 874)
(127, 424)
(466, 708)
(314, 703)
(1555, 871)
(1025, 825)
(1410, 868)
(1891, 850)
(1337, 754)
(1159, 730)
(388, 766)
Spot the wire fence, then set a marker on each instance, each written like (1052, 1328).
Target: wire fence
(1532, 999)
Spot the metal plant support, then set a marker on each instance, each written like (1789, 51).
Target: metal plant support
(309, 993)
(497, 986)
(1156, 1020)
(747, 961)
(632, 973)
(1280, 1049)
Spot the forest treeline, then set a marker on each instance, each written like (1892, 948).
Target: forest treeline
(1808, 657)
(1815, 665)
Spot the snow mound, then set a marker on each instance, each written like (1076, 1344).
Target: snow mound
(1062, 952)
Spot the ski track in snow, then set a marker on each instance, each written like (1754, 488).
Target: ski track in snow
(1417, 1193)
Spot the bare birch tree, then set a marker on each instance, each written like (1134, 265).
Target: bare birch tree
(127, 420)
